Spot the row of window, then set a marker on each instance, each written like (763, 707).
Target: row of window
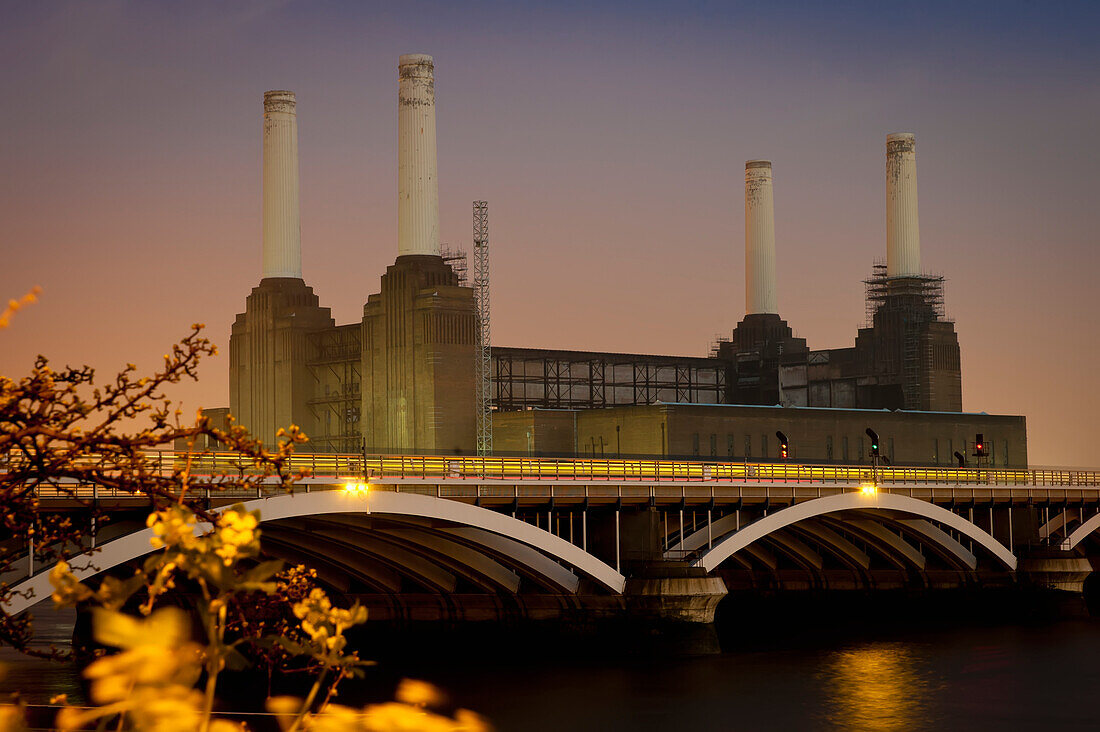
(845, 454)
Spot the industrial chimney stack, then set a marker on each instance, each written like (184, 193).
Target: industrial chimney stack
(270, 381)
(419, 330)
(762, 336)
(417, 176)
(902, 226)
(759, 239)
(281, 221)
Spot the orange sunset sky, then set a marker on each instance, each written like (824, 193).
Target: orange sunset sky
(609, 139)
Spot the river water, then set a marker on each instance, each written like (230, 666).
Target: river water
(1041, 675)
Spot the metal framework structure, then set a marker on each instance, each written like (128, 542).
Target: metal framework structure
(335, 365)
(910, 302)
(483, 379)
(457, 259)
(924, 292)
(530, 378)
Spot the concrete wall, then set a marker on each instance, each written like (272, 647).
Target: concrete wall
(270, 383)
(640, 430)
(815, 435)
(418, 360)
(550, 429)
(219, 419)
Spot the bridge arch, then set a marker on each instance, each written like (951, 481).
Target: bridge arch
(853, 501)
(1081, 533)
(501, 529)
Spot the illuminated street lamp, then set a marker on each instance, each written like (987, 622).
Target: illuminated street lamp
(356, 488)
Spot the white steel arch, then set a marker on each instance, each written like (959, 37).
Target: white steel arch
(728, 523)
(1060, 522)
(934, 537)
(294, 505)
(892, 546)
(1081, 533)
(855, 501)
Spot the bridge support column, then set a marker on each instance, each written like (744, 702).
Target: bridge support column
(1066, 574)
(691, 597)
(584, 526)
(671, 608)
(618, 540)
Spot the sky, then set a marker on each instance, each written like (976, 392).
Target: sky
(609, 139)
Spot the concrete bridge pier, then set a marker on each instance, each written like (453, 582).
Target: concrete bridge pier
(1042, 536)
(668, 605)
(1065, 573)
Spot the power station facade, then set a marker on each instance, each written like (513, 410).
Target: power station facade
(405, 379)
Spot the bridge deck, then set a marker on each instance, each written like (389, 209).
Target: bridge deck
(620, 469)
(516, 481)
(518, 493)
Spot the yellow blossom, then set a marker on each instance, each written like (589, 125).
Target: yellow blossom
(172, 527)
(175, 708)
(418, 693)
(67, 589)
(335, 718)
(237, 535)
(70, 718)
(166, 628)
(156, 652)
(325, 624)
(395, 717)
(11, 718)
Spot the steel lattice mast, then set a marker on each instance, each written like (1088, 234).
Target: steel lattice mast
(483, 377)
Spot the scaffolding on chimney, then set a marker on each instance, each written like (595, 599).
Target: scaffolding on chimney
(923, 293)
(717, 343)
(458, 261)
(908, 303)
(483, 383)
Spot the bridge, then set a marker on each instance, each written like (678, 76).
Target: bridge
(483, 537)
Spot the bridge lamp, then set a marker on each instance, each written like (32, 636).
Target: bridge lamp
(868, 489)
(356, 488)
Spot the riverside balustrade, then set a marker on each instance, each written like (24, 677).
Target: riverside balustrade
(320, 470)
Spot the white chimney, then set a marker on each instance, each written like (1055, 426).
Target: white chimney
(902, 226)
(759, 238)
(417, 176)
(282, 224)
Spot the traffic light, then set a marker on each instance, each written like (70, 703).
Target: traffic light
(979, 445)
(874, 442)
(784, 445)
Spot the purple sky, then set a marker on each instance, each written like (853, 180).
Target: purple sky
(609, 140)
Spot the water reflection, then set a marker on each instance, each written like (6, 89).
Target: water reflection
(878, 687)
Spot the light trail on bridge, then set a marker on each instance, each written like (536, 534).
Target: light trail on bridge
(626, 469)
(622, 479)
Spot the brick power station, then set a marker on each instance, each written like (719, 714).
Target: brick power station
(403, 379)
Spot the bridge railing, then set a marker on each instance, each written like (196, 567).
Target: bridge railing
(353, 467)
(357, 466)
